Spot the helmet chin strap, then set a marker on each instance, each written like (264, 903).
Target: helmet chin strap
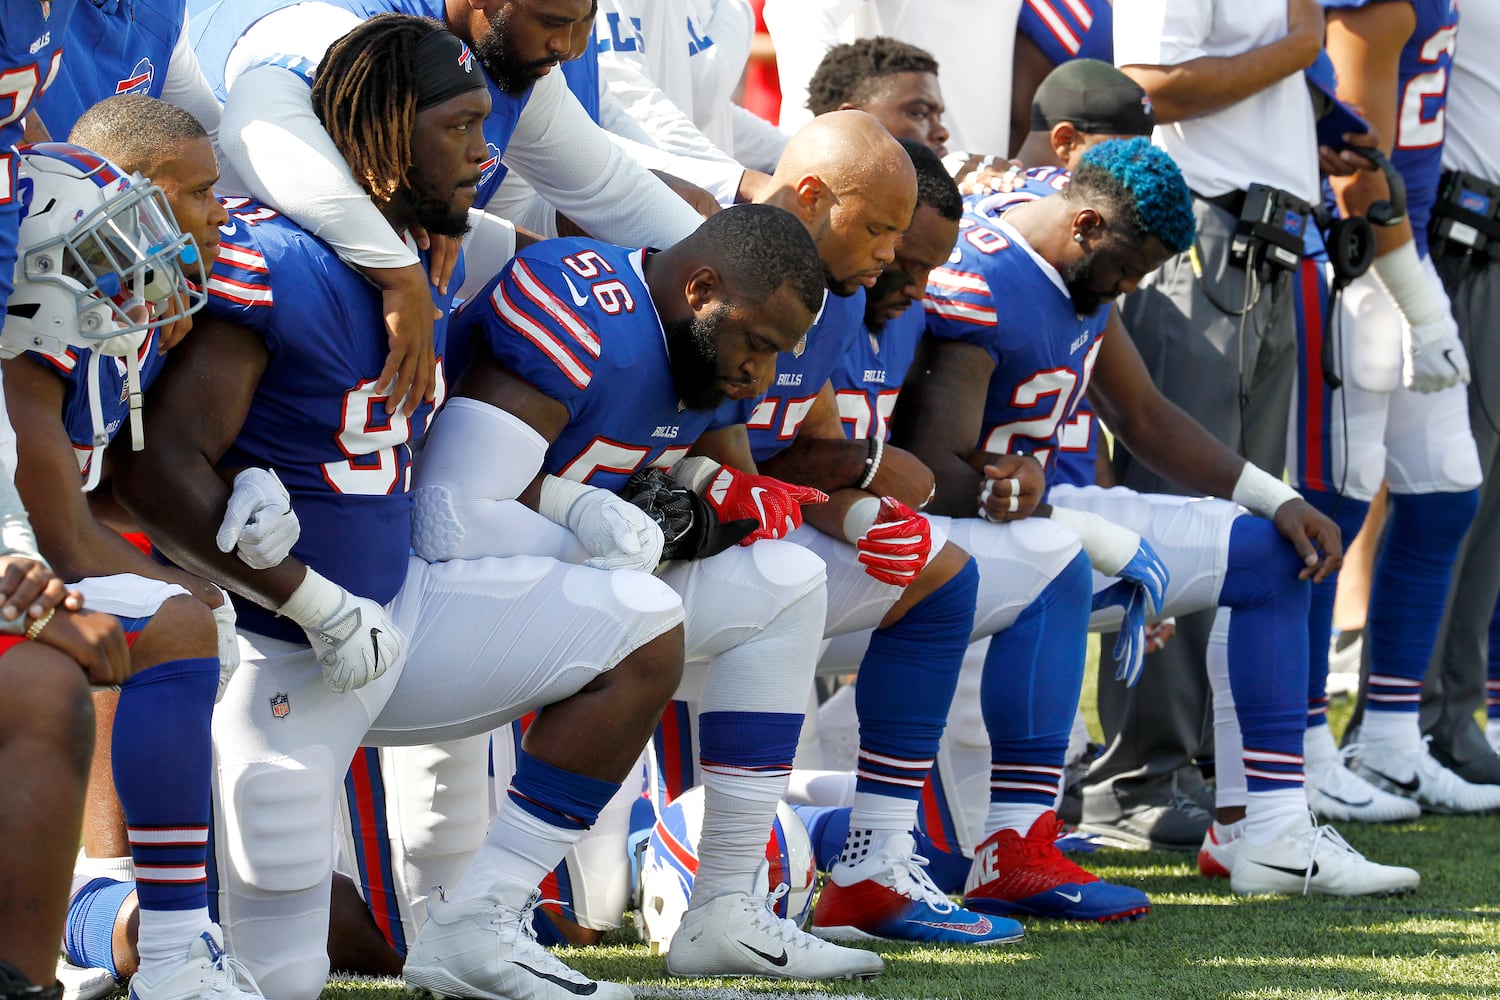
(133, 396)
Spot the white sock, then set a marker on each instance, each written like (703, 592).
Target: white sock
(165, 937)
(518, 852)
(737, 815)
(1225, 833)
(882, 816)
(1318, 749)
(1017, 816)
(86, 869)
(1268, 815)
(1492, 733)
(1394, 734)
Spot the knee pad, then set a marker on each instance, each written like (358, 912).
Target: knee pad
(1260, 559)
(295, 976)
(279, 821)
(441, 799)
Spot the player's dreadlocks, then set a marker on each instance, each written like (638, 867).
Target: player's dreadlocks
(365, 94)
(849, 74)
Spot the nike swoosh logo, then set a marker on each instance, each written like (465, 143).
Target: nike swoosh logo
(776, 960)
(1411, 785)
(755, 494)
(1070, 897)
(1296, 872)
(578, 300)
(375, 645)
(1348, 802)
(577, 989)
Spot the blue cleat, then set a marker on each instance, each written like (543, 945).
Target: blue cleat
(1029, 876)
(888, 897)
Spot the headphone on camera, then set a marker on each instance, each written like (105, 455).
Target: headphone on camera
(1351, 242)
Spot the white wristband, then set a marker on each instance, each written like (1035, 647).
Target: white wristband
(558, 496)
(313, 601)
(1108, 545)
(1401, 273)
(1261, 492)
(860, 517)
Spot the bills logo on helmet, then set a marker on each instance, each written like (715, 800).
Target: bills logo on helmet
(139, 80)
(487, 168)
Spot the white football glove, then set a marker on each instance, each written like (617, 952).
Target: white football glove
(1433, 358)
(616, 533)
(353, 637)
(229, 646)
(259, 524)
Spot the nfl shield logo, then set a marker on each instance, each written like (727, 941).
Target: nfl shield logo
(799, 347)
(281, 705)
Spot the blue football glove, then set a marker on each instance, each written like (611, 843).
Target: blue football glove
(1139, 594)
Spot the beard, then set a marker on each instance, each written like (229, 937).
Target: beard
(693, 349)
(887, 287)
(432, 211)
(502, 62)
(1080, 279)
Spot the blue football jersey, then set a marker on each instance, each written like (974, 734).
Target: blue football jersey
(868, 378)
(1070, 29)
(574, 318)
(129, 45)
(32, 38)
(317, 417)
(1421, 109)
(114, 406)
(214, 34)
(999, 294)
(801, 375)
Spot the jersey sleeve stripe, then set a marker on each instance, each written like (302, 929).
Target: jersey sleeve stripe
(959, 281)
(1082, 11)
(545, 341)
(554, 307)
(243, 258)
(1059, 28)
(962, 311)
(242, 292)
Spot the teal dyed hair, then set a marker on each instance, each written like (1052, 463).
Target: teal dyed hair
(1144, 187)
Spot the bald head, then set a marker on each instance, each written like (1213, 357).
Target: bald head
(846, 150)
(854, 188)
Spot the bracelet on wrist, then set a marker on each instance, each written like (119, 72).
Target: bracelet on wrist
(872, 461)
(37, 624)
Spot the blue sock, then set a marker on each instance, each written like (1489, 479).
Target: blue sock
(1268, 652)
(1408, 590)
(1349, 515)
(559, 798)
(89, 935)
(163, 766)
(365, 795)
(906, 684)
(1033, 673)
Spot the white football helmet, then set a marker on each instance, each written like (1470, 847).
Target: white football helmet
(99, 258)
(100, 262)
(670, 860)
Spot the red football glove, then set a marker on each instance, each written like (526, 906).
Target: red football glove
(896, 548)
(776, 505)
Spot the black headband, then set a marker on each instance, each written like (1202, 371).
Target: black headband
(444, 68)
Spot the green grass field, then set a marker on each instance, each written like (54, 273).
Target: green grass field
(1199, 940)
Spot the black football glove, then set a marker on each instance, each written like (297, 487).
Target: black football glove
(691, 528)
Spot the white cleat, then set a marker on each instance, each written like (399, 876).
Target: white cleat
(1314, 860)
(1336, 793)
(739, 934)
(206, 973)
(85, 984)
(1420, 778)
(486, 948)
